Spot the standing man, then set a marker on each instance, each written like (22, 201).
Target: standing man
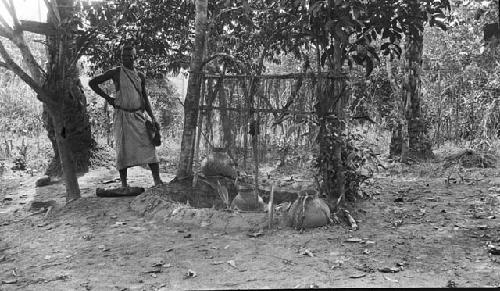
(133, 146)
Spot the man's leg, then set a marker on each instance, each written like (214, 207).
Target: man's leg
(155, 171)
(123, 177)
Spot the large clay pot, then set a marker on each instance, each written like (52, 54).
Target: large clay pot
(247, 199)
(218, 163)
(308, 211)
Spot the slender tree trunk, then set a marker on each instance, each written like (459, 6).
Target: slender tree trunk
(339, 124)
(191, 102)
(227, 135)
(419, 143)
(330, 139)
(399, 134)
(437, 134)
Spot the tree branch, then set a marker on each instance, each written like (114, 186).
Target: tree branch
(37, 27)
(12, 11)
(9, 63)
(4, 65)
(5, 33)
(16, 36)
(53, 11)
(5, 30)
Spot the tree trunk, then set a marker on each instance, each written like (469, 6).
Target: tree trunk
(227, 135)
(77, 128)
(191, 102)
(396, 142)
(399, 134)
(61, 50)
(66, 157)
(330, 139)
(69, 124)
(339, 124)
(419, 143)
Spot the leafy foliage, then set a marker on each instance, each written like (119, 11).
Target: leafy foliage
(161, 30)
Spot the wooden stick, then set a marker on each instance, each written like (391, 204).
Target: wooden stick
(281, 76)
(263, 110)
(271, 207)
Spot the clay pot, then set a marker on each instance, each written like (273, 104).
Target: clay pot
(218, 163)
(247, 199)
(308, 211)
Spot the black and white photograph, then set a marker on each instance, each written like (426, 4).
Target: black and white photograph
(157, 145)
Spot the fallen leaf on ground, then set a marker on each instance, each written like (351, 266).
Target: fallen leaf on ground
(190, 274)
(157, 264)
(217, 263)
(232, 264)
(156, 270)
(353, 240)
(169, 250)
(389, 270)
(307, 252)
(103, 248)
(61, 277)
(10, 281)
(390, 279)
(255, 234)
(357, 275)
(397, 223)
(494, 250)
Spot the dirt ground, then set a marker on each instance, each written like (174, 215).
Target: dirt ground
(415, 231)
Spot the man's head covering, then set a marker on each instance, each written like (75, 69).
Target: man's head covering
(127, 47)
